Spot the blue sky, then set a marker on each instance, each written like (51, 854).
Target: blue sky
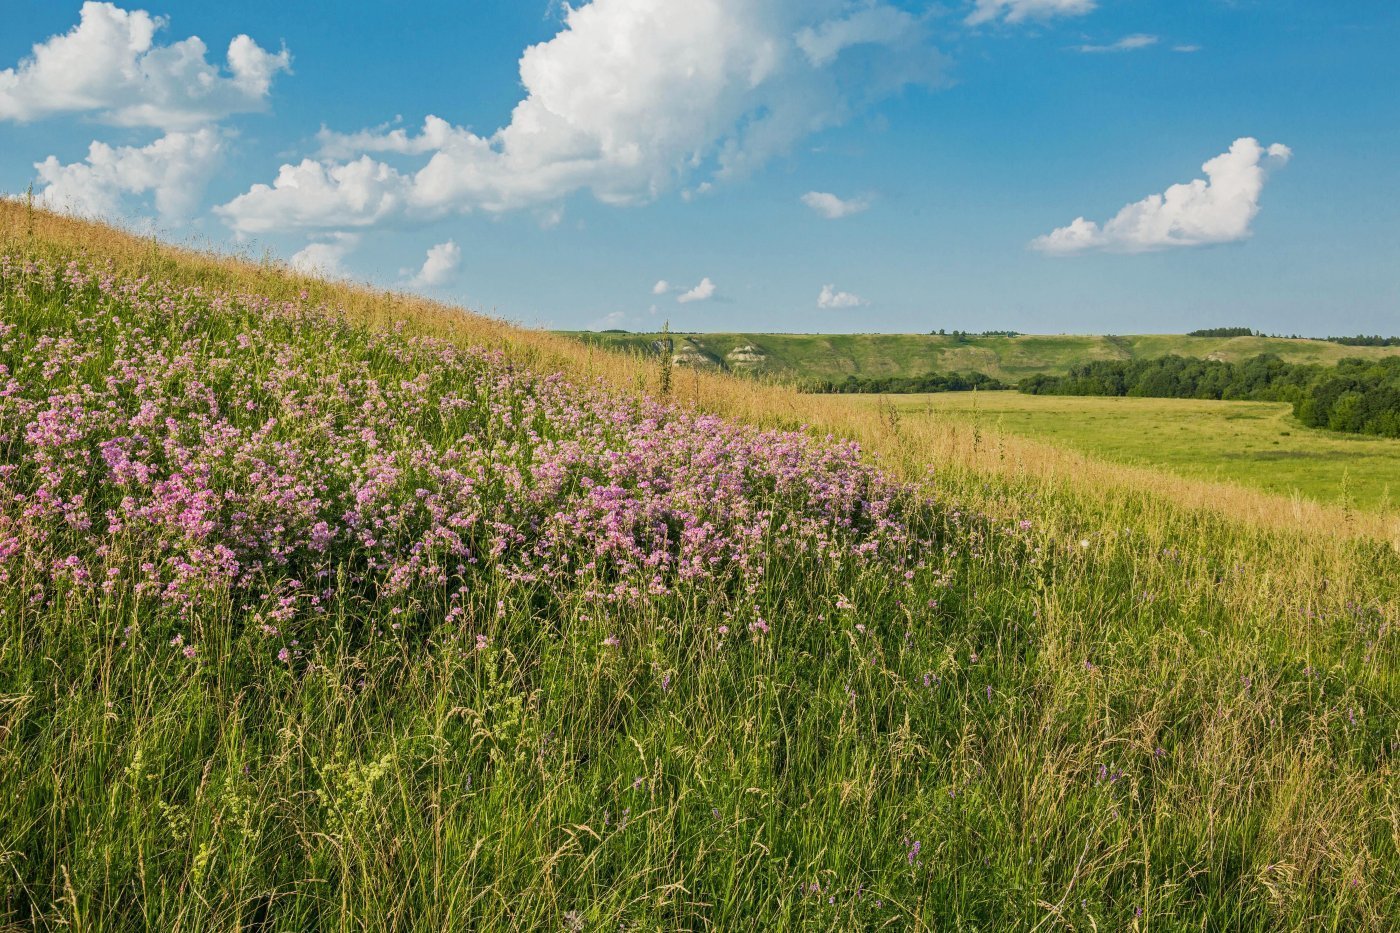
(823, 165)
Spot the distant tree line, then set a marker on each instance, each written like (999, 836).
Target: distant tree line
(1224, 332)
(1263, 378)
(930, 382)
(1361, 340)
(962, 335)
(1364, 341)
(1357, 396)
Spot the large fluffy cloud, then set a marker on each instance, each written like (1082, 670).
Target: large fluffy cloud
(1216, 209)
(631, 98)
(316, 195)
(1015, 11)
(110, 65)
(174, 169)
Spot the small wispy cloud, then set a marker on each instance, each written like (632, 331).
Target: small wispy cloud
(613, 320)
(1138, 40)
(1186, 49)
(325, 257)
(702, 292)
(831, 299)
(661, 287)
(833, 208)
(1018, 11)
(439, 266)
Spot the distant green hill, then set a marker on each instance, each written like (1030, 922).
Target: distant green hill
(835, 356)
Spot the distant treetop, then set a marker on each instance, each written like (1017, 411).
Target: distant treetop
(1224, 332)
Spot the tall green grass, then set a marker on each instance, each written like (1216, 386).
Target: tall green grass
(1092, 712)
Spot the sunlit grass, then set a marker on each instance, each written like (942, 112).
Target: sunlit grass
(1255, 444)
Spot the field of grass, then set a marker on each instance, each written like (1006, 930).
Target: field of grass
(835, 356)
(325, 609)
(1257, 444)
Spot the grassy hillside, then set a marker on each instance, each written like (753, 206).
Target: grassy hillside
(1259, 444)
(322, 608)
(835, 356)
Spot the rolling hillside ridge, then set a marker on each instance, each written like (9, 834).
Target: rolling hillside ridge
(835, 356)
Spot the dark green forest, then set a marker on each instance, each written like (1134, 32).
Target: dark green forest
(1356, 396)
(1223, 332)
(931, 382)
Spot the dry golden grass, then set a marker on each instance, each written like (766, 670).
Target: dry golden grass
(909, 448)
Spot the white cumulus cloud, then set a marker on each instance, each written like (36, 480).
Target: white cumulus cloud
(1216, 209)
(175, 169)
(326, 257)
(1015, 11)
(832, 299)
(317, 195)
(110, 65)
(439, 267)
(702, 292)
(661, 287)
(631, 99)
(833, 208)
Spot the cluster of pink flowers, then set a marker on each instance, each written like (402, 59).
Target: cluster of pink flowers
(167, 444)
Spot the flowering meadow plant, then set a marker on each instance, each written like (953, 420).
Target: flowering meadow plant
(162, 445)
(307, 624)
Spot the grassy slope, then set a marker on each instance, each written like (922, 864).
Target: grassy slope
(834, 356)
(1243, 636)
(1258, 444)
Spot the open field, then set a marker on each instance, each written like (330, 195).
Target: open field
(323, 608)
(835, 356)
(1257, 444)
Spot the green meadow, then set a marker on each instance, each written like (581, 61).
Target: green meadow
(1257, 444)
